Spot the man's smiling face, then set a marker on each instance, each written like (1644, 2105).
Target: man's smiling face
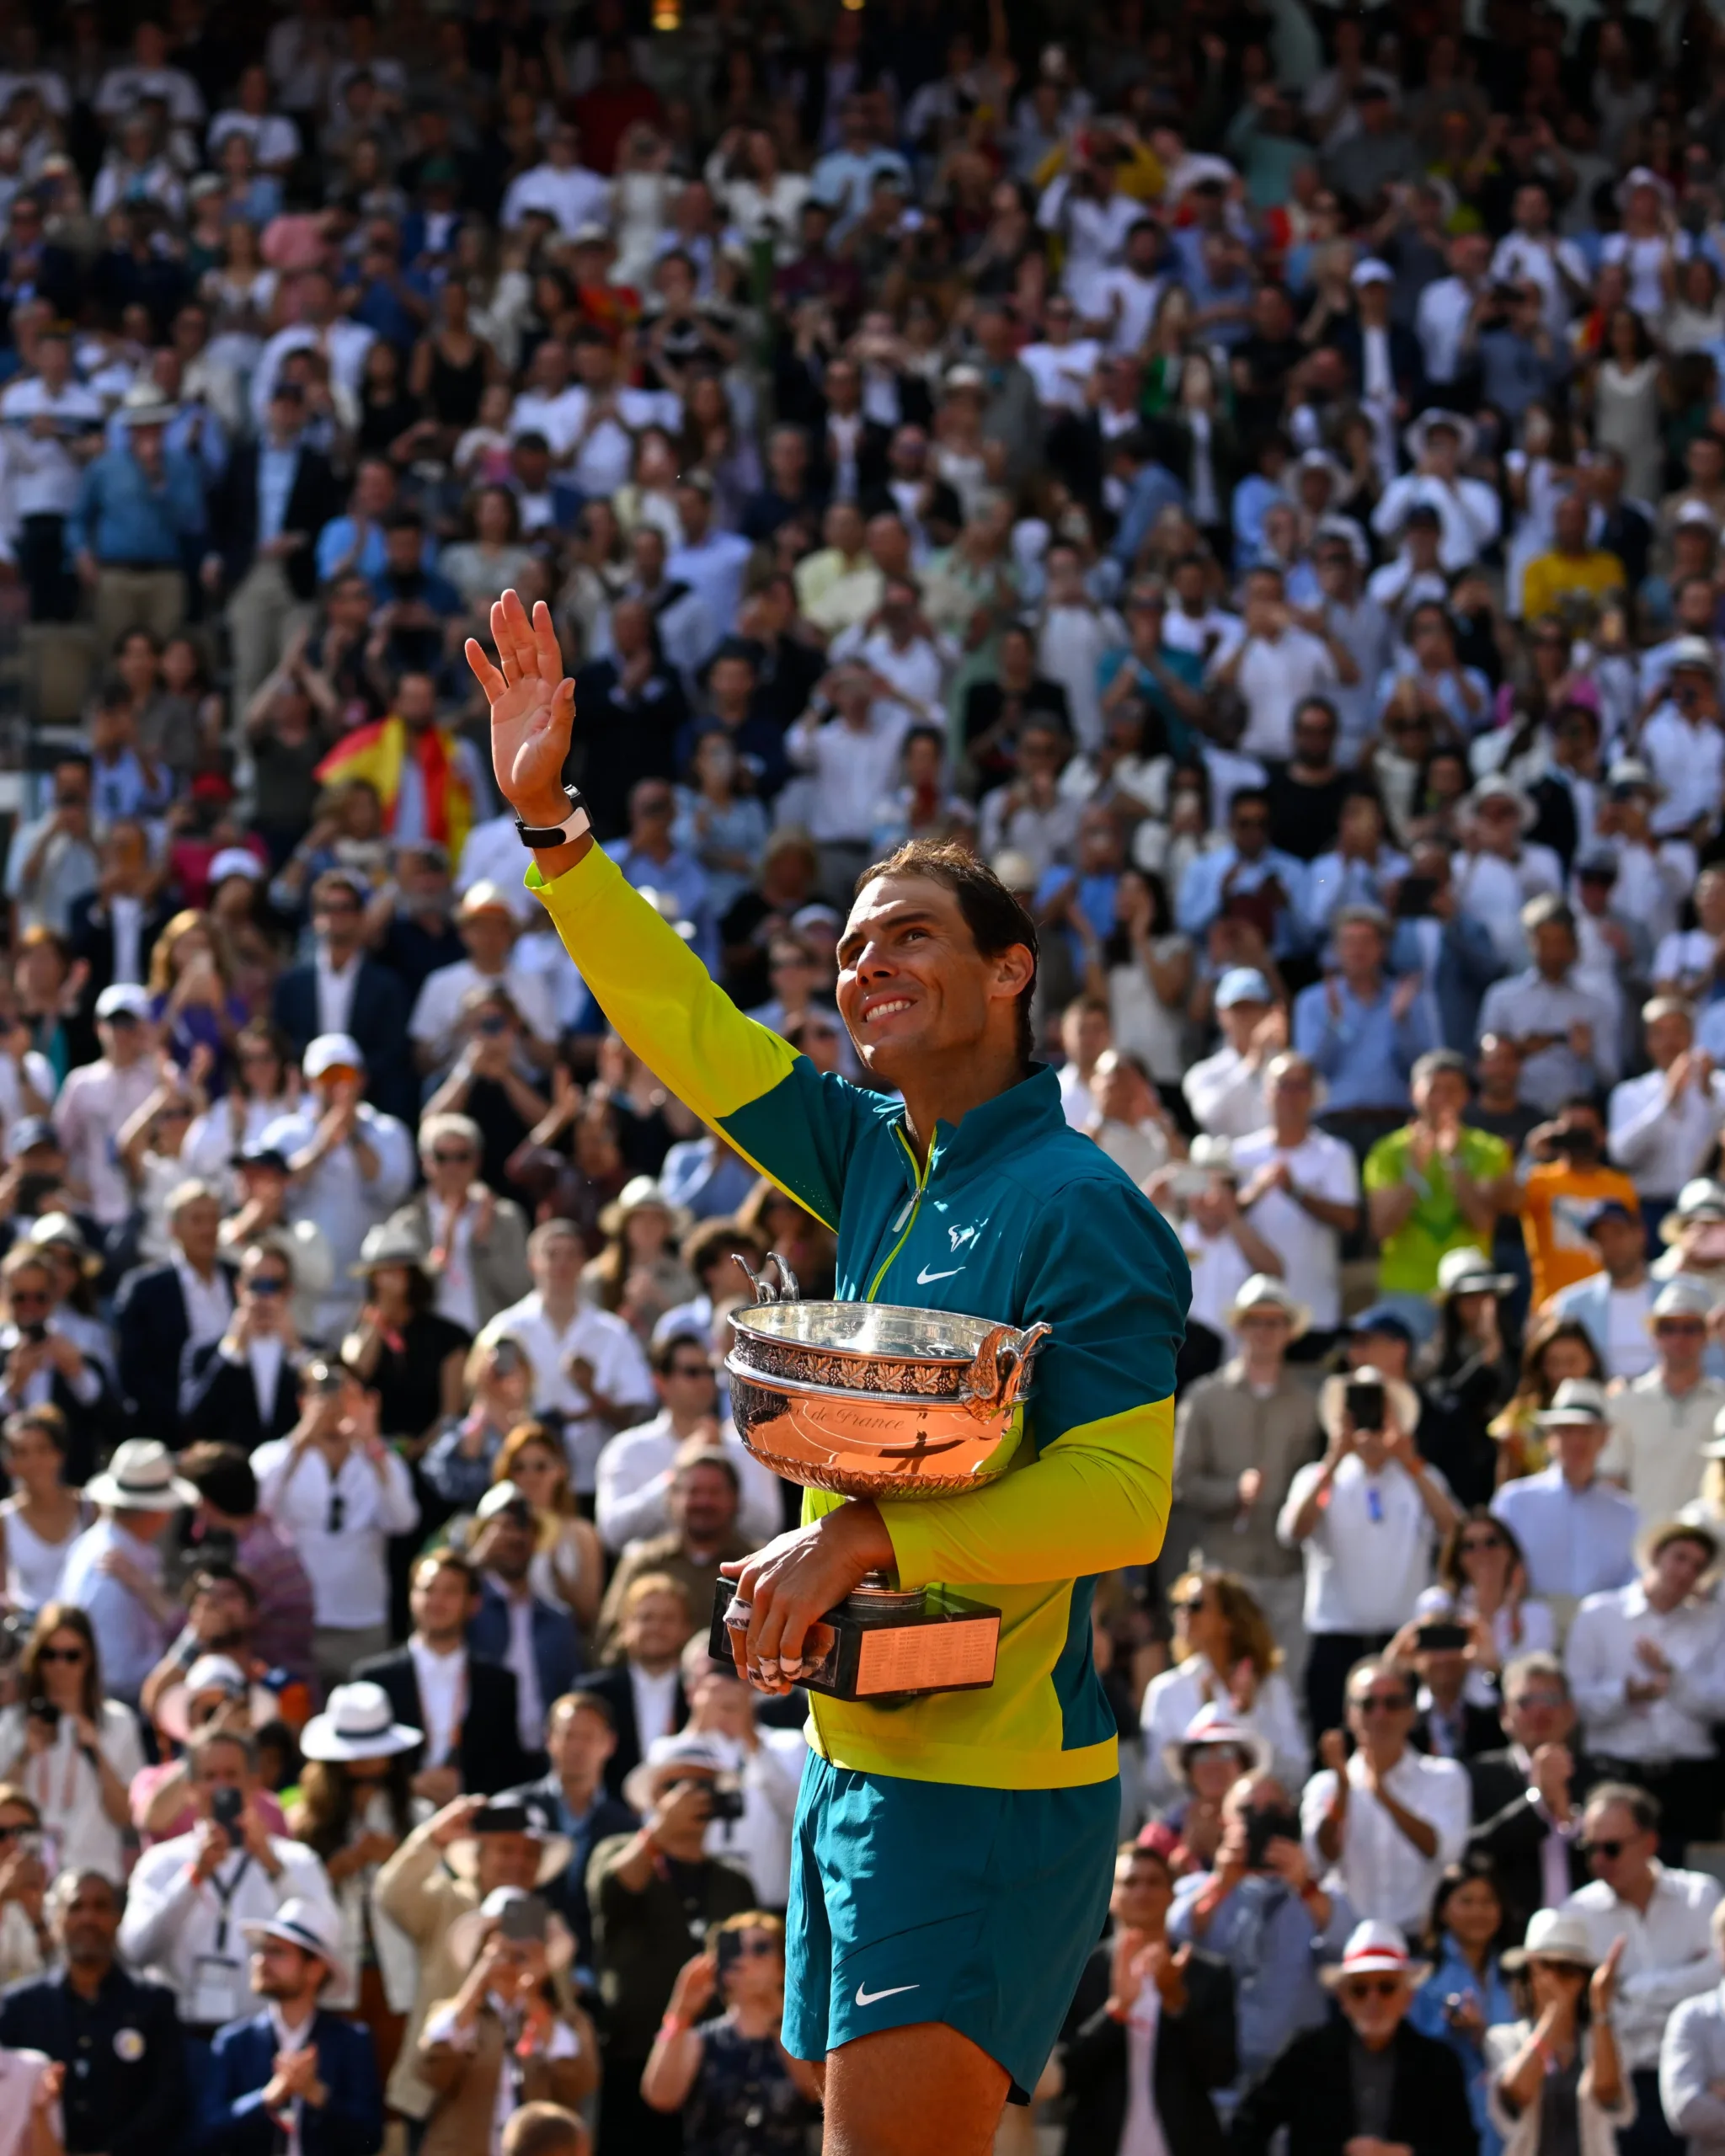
(912, 984)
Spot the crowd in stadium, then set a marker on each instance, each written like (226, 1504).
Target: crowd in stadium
(1254, 472)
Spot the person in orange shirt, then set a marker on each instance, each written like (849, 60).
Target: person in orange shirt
(1559, 1190)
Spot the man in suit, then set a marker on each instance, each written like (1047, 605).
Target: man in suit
(1369, 2078)
(244, 1387)
(478, 1240)
(1136, 1981)
(114, 928)
(547, 1661)
(581, 1736)
(161, 1310)
(341, 990)
(465, 1703)
(275, 497)
(644, 1692)
(1528, 1795)
(293, 2075)
(116, 2035)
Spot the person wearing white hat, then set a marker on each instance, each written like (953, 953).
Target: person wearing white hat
(1577, 1532)
(1681, 742)
(1225, 1091)
(487, 922)
(113, 1570)
(1662, 1420)
(352, 1165)
(1555, 2042)
(1368, 2083)
(98, 1099)
(1469, 514)
(1692, 2062)
(308, 2070)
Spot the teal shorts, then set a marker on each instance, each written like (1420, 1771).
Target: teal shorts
(924, 1901)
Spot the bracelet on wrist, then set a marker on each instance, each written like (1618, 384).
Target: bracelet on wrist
(673, 2027)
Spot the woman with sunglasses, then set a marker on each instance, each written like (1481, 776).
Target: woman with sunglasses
(41, 1365)
(42, 1518)
(1224, 1653)
(73, 1751)
(731, 2078)
(1482, 1566)
(264, 1083)
(1466, 1994)
(151, 1145)
(1555, 2081)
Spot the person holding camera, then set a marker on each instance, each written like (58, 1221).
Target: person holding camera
(190, 1896)
(731, 2078)
(1261, 1910)
(73, 1750)
(654, 1893)
(1465, 1995)
(1369, 1516)
(512, 2035)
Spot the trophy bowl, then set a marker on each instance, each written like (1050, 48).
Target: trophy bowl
(873, 1400)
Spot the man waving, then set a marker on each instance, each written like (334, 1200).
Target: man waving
(954, 1856)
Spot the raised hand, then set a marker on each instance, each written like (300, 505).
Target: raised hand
(532, 708)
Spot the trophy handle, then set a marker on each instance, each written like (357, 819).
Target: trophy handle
(787, 1290)
(1000, 1369)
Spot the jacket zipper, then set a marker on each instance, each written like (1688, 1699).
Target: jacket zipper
(907, 1213)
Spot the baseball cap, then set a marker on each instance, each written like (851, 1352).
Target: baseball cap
(123, 999)
(1242, 984)
(331, 1052)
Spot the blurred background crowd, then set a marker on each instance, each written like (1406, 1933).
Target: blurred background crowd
(1255, 471)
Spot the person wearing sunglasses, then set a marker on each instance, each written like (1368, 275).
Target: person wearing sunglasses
(1661, 1421)
(1483, 1571)
(1387, 1819)
(244, 1387)
(1665, 1918)
(720, 2072)
(1368, 2083)
(478, 1240)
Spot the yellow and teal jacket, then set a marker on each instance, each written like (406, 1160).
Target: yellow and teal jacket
(1016, 1218)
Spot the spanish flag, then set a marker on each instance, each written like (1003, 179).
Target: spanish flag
(375, 753)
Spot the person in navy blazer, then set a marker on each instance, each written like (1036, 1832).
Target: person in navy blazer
(502, 1552)
(152, 1324)
(377, 1019)
(294, 2059)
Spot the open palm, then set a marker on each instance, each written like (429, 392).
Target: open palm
(532, 708)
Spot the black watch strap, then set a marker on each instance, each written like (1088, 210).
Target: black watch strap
(542, 837)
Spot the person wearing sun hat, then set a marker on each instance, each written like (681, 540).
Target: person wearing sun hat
(1577, 1532)
(114, 1569)
(296, 2071)
(1555, 2041)
(1661, 1421)
(1368, 2079)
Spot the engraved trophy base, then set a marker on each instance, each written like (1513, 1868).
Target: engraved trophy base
(890, 1644)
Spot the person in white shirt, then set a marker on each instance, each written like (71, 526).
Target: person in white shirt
(189, 1898)
(560, 188)
(1469, 513)
(1692, 2062)
(488, 924)
(1663, 1125)
(589, 1374)
(1645, 1665)
(98, 1099)
(1059, 364)
(1446, 303)
(1662, 1421)
(336, 1491)
(1277, 666)
(1226, 1091)
(113, 1570)
(636, 1468)
(852, 757)
(53, 428)
(1664, 1917)
(1369, 1516)
(1682, 744)
(1301, 1189)
(1385, 1821)
(351, 1164)
(1086, 1036)
(1531, 254)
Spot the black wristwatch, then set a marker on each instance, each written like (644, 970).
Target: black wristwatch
(542, 837)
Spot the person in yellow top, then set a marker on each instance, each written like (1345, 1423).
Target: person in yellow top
(1559, 1192)
(952, 1857)
(1571, 566)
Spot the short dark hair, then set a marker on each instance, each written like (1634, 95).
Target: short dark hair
(218, 1572)
(544, 2129)
(1641, 1804)
(995, 918)
(222, 1476)
(663, 1353)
